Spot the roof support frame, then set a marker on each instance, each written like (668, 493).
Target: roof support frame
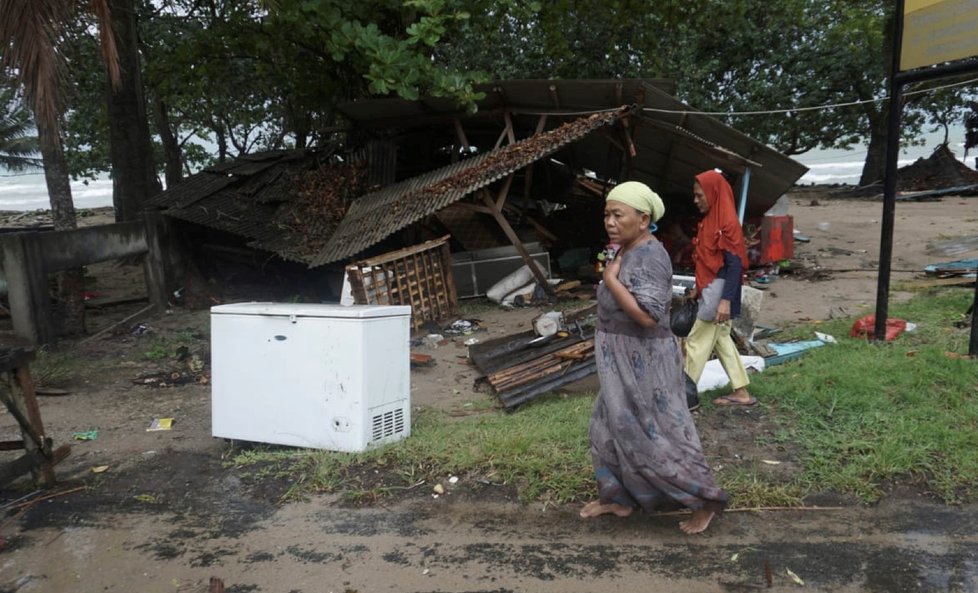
(495, 206)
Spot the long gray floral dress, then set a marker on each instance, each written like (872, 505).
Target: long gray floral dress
(644, 444)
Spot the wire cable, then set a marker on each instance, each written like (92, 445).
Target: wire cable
(812, 108)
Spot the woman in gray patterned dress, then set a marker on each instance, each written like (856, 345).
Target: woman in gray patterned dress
(644, 444)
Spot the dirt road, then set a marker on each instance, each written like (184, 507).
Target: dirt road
(473, 540)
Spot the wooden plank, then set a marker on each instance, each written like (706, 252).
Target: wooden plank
(11, 445)
(515, 240)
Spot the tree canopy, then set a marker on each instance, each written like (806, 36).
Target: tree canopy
(246, 75)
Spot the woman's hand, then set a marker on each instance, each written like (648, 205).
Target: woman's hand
(611, 270)
(723, 312)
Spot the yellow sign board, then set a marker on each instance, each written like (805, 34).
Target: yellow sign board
(937, 31)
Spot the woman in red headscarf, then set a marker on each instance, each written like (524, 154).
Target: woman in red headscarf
(720, 256)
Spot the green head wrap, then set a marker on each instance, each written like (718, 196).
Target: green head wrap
(640, 197)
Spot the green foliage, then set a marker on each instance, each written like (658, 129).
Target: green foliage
(248, 75)
(18, 144)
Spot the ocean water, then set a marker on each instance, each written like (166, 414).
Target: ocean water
(28, 192)
(845, 167)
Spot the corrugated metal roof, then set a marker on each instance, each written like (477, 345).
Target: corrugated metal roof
(378, 215)
(261, 197)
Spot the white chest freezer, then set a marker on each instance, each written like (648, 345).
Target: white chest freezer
(318, 376)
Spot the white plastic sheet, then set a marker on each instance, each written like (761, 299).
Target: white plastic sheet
(714, 377)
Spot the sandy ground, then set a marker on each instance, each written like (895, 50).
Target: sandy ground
(170, 512)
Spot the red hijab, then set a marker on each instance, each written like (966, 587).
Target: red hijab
(718, 231)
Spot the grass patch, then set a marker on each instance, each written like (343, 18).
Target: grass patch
(541, 450)
(53, 368)
(858, 417)
(869, 414)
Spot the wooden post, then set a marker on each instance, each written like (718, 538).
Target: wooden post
(27, 287)
(156, 268)
(19, 397)
(497, 213)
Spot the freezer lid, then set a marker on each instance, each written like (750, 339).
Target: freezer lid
(312, 310)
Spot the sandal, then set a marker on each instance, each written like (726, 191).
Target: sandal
(726, 400)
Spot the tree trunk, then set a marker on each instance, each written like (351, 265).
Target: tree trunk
(173, 161)
(70, 293)
(130, 146)
(875, 166)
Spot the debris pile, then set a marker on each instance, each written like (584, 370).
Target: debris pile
(938, 171)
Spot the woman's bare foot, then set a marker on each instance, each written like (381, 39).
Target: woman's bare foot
(596, 507)
(698, 522)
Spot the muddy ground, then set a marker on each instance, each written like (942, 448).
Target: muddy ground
(169, 512)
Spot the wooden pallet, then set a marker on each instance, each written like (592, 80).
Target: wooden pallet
(419, 276)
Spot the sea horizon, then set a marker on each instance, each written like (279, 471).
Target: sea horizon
(25, 192)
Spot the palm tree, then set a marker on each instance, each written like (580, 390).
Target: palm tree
(29, 35)
(29, 32)
(18, 145)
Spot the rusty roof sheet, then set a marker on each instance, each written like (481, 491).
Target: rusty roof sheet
(378, 215)
(272, 198)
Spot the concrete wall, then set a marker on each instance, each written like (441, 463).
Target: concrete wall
(30, 257)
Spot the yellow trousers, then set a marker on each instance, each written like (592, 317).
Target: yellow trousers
(703, 339)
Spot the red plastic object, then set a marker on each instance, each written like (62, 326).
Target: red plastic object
(866, 327)
(777, 239)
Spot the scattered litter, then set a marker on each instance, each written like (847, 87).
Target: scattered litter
(145, 498)
(170, 378)
(453, 480)
(160, 424)
(824, 226)
(432, 340)
(714, 376)
(962, 267)
(785, 351)
(735, 557)
(85, 435)
(794, 577)
(471, 341)
(419, 359)
(439, 489)
(426, 571)
(463, 327)
(98, 469)
(548, 323)
(826, 338)
(139, 329)
(866, 327)
(770, 462)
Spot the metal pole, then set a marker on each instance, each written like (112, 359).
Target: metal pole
(890, 179)
(973, 343)
(744, 184)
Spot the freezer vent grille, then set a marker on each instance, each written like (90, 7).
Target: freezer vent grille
(388, 424)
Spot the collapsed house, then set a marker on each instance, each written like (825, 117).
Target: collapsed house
(525, 172)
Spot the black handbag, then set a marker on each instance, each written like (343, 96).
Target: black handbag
(683, 316)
